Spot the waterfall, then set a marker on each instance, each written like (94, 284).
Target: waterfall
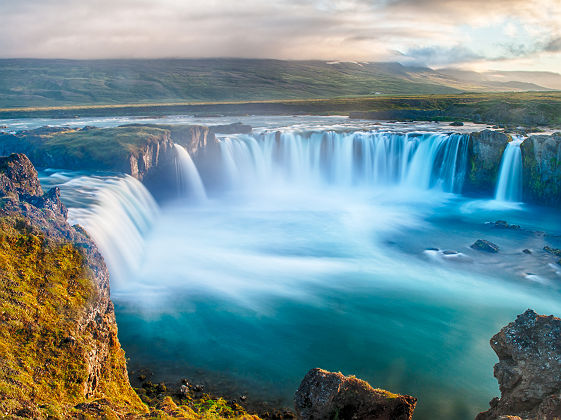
(117, 212)
(509, 186)
(190, 183)
(346, 159)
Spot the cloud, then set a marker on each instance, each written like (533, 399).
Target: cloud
(553, 45)
(438, 56)
(426, 31)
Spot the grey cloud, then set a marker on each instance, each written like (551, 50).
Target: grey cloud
(298, 29)
(554, 45)
(437, 56)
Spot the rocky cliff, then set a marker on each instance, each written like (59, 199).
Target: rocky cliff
(484, 160)
(541, 157)
(135, 150)
(529, 369)
(60, 352)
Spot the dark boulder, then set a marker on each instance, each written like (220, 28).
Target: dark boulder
(529, 369)
(486, 246)
(328, 395)
(502, 224)
(552, 251)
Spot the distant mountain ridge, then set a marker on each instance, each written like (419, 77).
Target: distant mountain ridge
(48, 82)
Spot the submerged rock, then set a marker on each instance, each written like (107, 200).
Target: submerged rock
(552, 251)
(502, 224)
(529, 369)
(486, 246)
(328, 395)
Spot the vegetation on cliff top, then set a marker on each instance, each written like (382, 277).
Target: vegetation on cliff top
(88, 148)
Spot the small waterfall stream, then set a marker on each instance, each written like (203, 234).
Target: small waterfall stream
(117, 212)
(190, 183)
(509, 185)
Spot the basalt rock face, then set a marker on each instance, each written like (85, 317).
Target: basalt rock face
(59, 335)
(529, 369)
(541, 157)
(324, 395)
(485, 154)
(195, 138)
(150, 157)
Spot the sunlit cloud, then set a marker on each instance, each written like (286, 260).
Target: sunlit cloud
(423, 32)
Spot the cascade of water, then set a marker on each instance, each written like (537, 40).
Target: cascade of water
(509, 186)
(345, 159)
(117, 212)
(190, 182)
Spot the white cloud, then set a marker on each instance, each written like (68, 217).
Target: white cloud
(437, 30)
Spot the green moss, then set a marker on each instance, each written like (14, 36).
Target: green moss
(97, 148)
(45, 288)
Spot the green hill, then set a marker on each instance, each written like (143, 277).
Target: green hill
(35, 82)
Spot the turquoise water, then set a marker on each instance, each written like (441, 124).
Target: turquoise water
(258, 291)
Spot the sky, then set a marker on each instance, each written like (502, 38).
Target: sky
(471, 34)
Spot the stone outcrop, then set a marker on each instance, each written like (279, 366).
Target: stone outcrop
(195, 138)
(484, 160)
(324, 395)
(150, 157)
(54, 360)
(529, 369)
(541, 157)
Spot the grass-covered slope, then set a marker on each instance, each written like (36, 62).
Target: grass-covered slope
(67, 82)
(34, 83)
(45, 288)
